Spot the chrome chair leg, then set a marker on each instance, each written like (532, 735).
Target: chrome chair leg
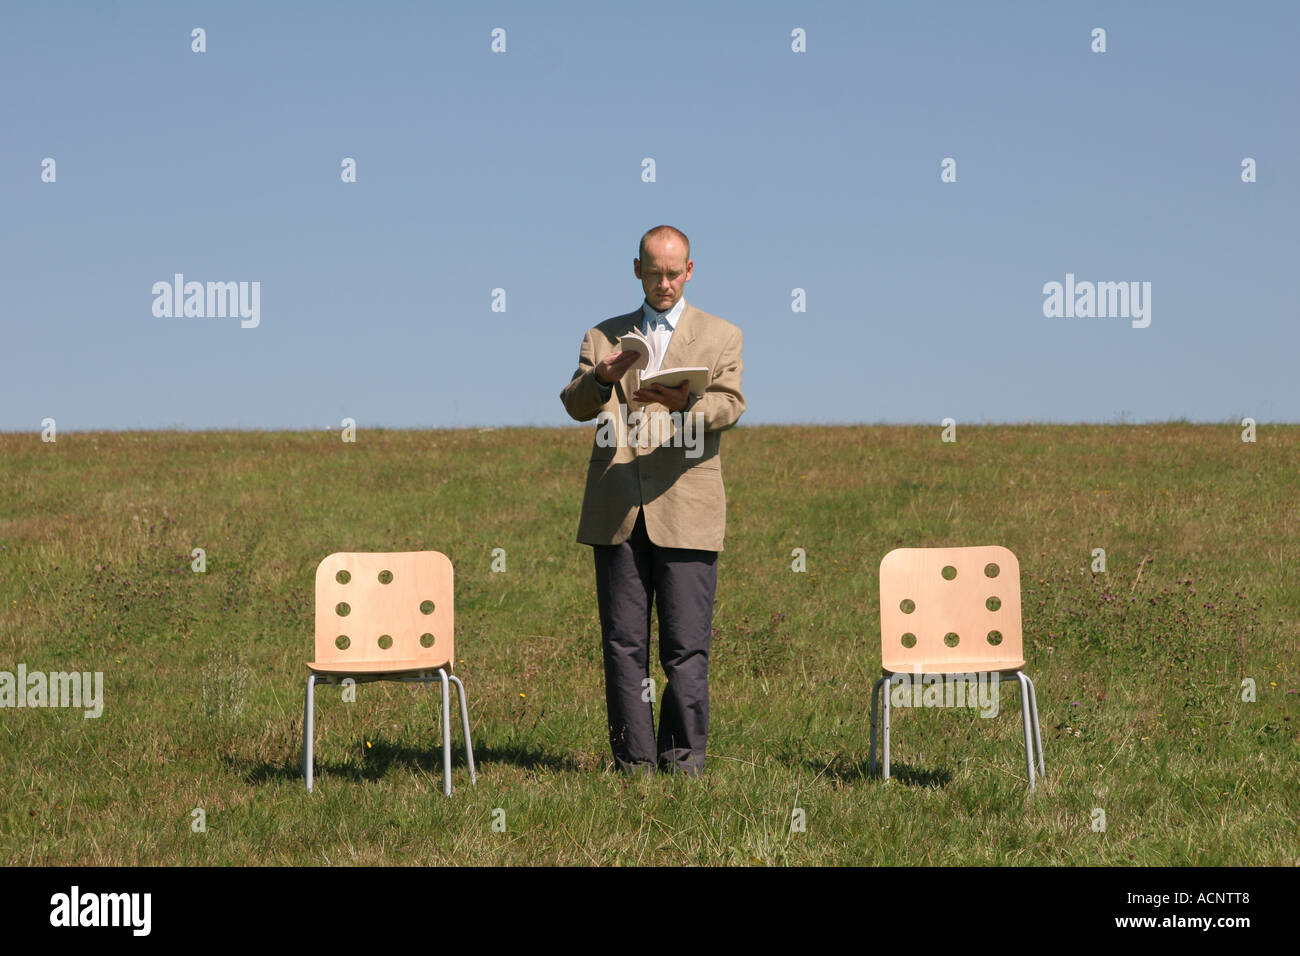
(1038, 734)
(875, 710)
(1028, 721)
(446, 733)
(464, 721)
(886, 707)
(309, 730)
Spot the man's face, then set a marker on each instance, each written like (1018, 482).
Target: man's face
(664, 273)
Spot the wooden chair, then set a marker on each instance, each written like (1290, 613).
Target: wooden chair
(953, 611)
(386, 617)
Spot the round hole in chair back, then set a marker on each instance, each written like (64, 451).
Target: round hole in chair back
(907, 605)
(343, 577)
(385, 641)
(426, 607)
(951, 639)
(385, 577)
(909, 639)
(426, 640)
(993, 603)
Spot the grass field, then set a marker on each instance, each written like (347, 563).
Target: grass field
(1139, 669)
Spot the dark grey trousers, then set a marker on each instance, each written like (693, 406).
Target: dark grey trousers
(630, 577)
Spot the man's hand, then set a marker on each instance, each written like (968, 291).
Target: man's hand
(613, 366)
(674, 398)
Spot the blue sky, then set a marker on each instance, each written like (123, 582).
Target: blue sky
(522, 170)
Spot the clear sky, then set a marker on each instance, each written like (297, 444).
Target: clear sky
(522, 171)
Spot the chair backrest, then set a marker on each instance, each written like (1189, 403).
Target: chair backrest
(374, 608)
(957, 608)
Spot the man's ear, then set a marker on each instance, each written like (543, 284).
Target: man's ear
(636, 267)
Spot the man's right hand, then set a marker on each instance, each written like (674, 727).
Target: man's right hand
(613, 366)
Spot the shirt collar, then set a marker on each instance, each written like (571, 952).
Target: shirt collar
(670, 317)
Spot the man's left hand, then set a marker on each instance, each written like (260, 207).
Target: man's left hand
(674, 398)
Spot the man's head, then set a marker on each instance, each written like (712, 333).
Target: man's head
(664, 266)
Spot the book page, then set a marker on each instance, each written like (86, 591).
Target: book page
(698, 376)
(634, 341)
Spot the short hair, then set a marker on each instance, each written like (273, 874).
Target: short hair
(662, 231)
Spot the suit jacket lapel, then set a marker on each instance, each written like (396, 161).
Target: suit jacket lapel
(683, 335)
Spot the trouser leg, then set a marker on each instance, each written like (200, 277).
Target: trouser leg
(624, 593)
(685, 581)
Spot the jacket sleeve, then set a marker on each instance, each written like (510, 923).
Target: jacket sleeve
(583, 397)
(722, 402)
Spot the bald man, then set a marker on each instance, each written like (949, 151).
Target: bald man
(654, 509)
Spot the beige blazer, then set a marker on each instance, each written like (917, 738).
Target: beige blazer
(651, 466)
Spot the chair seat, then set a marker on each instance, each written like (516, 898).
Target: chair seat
(1004, 666)
(379, 667)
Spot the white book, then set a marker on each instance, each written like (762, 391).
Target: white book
(649, 360)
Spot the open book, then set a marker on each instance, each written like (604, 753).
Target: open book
(648, 362)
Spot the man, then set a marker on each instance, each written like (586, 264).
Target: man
(654, 510)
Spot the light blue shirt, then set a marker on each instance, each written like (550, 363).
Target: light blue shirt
(663, 322)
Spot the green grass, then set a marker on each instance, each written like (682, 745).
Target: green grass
(1139, 670)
